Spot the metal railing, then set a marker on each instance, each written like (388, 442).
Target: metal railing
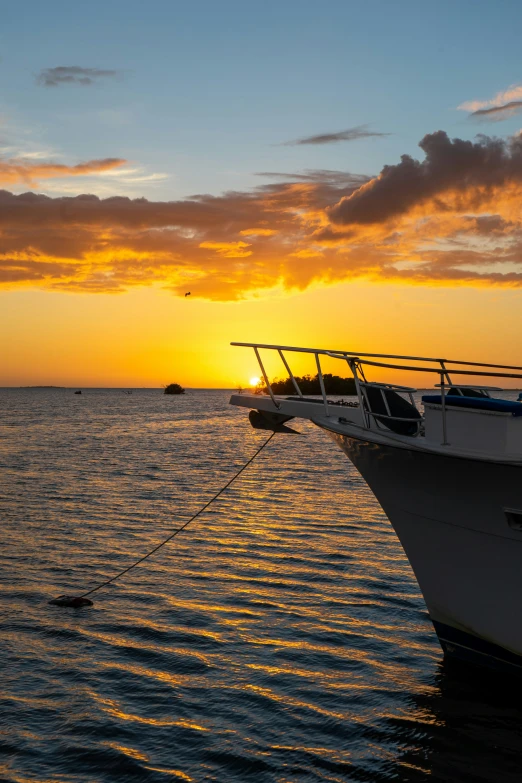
(358, 360)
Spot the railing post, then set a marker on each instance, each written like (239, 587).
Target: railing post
(353, 367)
(289, 371)
(445, 370)
(383, 395)
(443, 403)
(271, 393)
(321, 383)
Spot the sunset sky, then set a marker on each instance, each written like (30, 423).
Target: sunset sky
(335, 174)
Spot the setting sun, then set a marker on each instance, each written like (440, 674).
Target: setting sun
(254, 381)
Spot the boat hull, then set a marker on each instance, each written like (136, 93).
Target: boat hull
(449, 515)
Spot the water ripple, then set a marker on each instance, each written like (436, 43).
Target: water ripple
(281, 638)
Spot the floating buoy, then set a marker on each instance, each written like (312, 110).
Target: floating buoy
(69, 600)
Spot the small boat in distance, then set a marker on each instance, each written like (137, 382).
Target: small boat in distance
(448, 475)
(77, 392)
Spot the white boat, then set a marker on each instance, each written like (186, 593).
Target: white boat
(449, 478)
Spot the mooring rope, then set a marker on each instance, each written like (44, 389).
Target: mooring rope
(82, 600)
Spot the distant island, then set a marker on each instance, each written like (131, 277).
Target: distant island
(174, 388)
(42, 387)
(333, 384)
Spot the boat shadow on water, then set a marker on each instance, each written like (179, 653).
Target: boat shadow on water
(465, 727)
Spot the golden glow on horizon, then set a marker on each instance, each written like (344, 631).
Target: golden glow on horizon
(254, 381)
(148, 337)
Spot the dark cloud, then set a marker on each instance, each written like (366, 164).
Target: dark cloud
(488, 225)
(274, 205)
(498, 113)
(340, 179)
(453, 170)
(15, 270)
(73, 74)
(351, 134)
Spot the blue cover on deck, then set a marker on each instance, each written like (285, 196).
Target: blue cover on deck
(483, 403)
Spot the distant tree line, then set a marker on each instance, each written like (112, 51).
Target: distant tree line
(333, 384)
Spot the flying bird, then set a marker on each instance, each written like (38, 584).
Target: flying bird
(188, 293)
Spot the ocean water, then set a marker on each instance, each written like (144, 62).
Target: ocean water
(281, 637)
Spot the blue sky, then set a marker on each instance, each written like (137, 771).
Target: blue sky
(209, 90)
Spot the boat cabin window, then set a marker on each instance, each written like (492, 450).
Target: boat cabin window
(514, 518)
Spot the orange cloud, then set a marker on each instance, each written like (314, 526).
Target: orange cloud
(15, 170)
(257, 232)
(228, 249)
(454, 218)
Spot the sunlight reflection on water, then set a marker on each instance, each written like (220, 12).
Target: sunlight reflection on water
(282, 637)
